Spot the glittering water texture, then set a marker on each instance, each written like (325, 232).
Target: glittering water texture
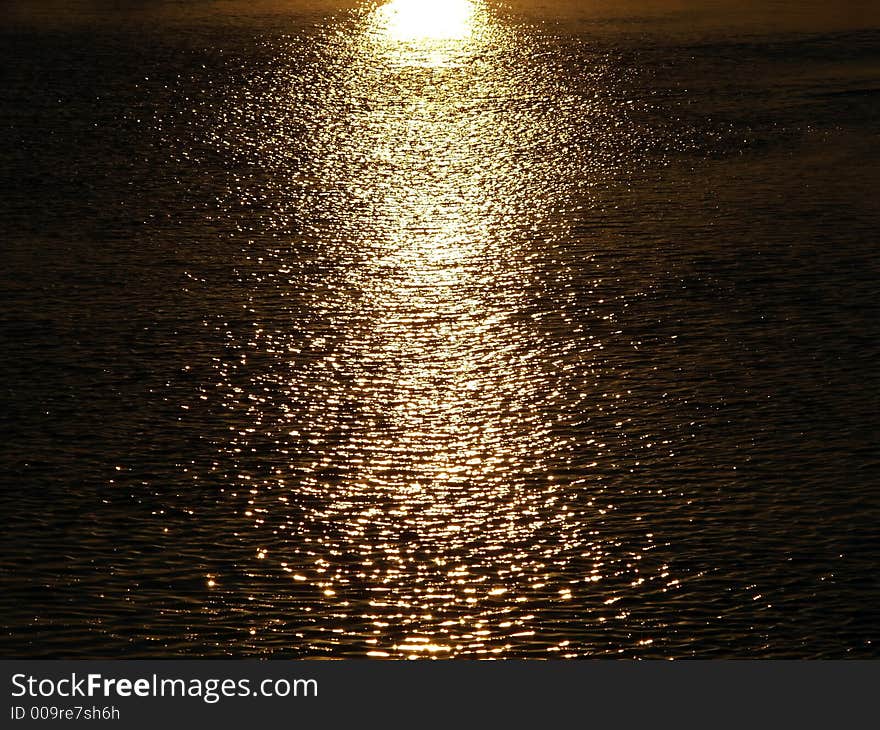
(453, 333)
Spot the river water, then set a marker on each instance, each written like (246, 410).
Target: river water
(449, 330)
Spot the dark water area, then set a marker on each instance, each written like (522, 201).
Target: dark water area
(333, 331)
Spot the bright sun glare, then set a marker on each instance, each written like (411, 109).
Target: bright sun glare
(414, 20)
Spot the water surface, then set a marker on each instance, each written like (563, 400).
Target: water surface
(523, 331)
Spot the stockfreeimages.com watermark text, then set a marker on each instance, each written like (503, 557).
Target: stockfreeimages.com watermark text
(208, 690)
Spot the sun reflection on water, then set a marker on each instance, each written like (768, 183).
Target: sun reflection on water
(426, 20)
(431, 492)
(419, 408)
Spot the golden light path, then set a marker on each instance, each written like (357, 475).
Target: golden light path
(424, 404)
(430, 502)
